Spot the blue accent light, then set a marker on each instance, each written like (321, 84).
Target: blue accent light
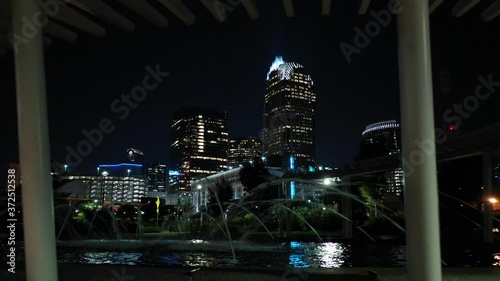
(292, 162)
(173, 173)
(292, 190)
(311, 169)
(276, 64)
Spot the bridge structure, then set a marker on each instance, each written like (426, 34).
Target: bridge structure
(26, 26)
(484, 142)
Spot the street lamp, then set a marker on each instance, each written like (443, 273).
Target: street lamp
(198, 194)
(128, 172)
(327, 181)
(65, 167)
(199, 203)
(493, 200)
(104, 175)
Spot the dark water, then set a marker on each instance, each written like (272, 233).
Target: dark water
(250, 254)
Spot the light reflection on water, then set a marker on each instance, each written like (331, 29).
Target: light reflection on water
(292, 254)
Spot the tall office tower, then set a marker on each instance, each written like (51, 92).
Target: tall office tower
(243, 151)
(157, 177)
(289, 117)
(381, 139)
(199, 144)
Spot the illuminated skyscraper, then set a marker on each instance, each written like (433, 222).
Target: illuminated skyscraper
(243, 151)
(199, 144)
(289, 117)
(157, 177)
(381, 139)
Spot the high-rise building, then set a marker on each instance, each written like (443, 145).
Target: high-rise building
(381, 139)
(289, 116)
(199, 144)
(243, 151)
(157, 177)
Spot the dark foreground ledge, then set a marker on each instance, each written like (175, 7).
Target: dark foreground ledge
(89, 272)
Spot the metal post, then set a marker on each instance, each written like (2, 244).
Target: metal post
(487, 193)
(37, 193)
(418, 140)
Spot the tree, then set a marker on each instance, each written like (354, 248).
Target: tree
(252, 175)
(373, 196)
(221, 193)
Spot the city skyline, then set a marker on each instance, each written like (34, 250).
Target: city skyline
(351, 95)
(388, 160)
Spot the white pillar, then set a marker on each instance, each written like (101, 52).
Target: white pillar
(487, 194)
(417, 125)
(38, 211)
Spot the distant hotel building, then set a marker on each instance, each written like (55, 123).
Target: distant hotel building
(114, 183)
(199, 144)
(289, 117)
(157, 177)
(381, 139)
(243, 151)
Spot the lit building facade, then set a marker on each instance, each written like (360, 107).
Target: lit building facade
(289, 116)
(199, 144)
(112, 188)
(201, 197)
(381, 139)
(157, 177)
(243, 151)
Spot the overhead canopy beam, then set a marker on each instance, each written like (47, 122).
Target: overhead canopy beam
(463, 7)
(58, 31)
(180, 10)
(363, 7)
(73, 18)
(326, 7)
(492, 11)
(5, 43)
(145, 10)
(434, 4)
(289, 11)
(251, 8)
(105, 12)
(216, 9)
(80, 6)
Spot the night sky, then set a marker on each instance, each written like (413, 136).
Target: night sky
(224, 66)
